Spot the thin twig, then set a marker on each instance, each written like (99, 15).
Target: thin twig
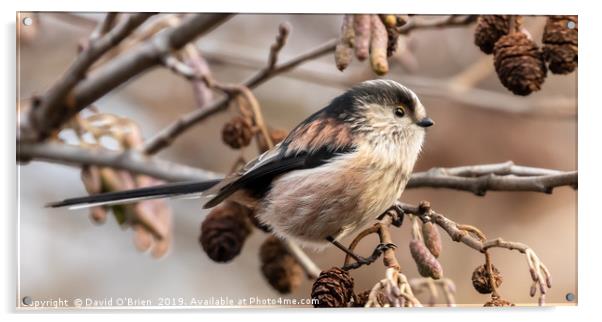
(166, 136)
(426, 283)
(555, 107)
(540, 274)
(54, 109)
(49, 111)
(450, 21)
(311, 269)
(104, 26)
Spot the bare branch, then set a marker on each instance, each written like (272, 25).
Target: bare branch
(477, 179)
(130, 161)
(47, 111)
(105, 25)
(311, 269)
(555, 107)
(55, 109)
(450, 21)
(540, 274)
(171, 132)
(448, 288)
(496, 177)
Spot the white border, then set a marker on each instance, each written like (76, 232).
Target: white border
(589, 137)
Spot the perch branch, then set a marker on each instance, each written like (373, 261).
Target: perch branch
(137, 163)
(395, 285)
(527, 177)
(540, 274)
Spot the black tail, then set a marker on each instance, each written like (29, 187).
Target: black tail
(133, 195)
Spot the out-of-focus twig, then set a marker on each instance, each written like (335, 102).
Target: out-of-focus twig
(309, 266)
(505, 176)
(55, 108)
(167, 135)
(59, 103)
(450, 21)
(74, 19)
(447, 286)
(104, 26)
(472, 75)
(549, 107)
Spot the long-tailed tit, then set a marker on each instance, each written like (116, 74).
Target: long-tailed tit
(336, 171)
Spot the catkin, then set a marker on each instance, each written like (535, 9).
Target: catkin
(432, 238)
(378, 47)
(427, 264)
(344, 50)
(361, 26)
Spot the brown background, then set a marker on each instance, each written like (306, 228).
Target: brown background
(64, 255)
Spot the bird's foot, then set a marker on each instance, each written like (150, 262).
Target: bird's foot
(397, 214)
(361, 261)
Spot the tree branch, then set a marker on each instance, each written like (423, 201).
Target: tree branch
(450, 21)
(186, 121)
(476, 179)
(47, 111)
(55, 107)
(540, 275)
(311, 269)
(496, 177)
(130, 161)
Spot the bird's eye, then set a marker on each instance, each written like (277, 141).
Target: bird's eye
(399, 112)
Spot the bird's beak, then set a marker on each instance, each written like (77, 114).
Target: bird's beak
(425, 122)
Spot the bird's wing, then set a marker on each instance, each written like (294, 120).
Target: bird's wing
(312, 143)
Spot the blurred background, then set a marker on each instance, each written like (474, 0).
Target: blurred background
(63, 254)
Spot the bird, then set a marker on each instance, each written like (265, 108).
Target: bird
(335, 172)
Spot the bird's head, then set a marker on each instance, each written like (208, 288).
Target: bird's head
(385, 109)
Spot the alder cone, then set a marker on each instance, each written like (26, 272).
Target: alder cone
(333, 288)
(560, 48)
(237, 133)
(519, 64)
(481, 280)
(224, 232)
(490, 28)
(279, 267)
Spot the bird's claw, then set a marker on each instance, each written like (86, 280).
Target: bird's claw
(397, 214)
(361, 261)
